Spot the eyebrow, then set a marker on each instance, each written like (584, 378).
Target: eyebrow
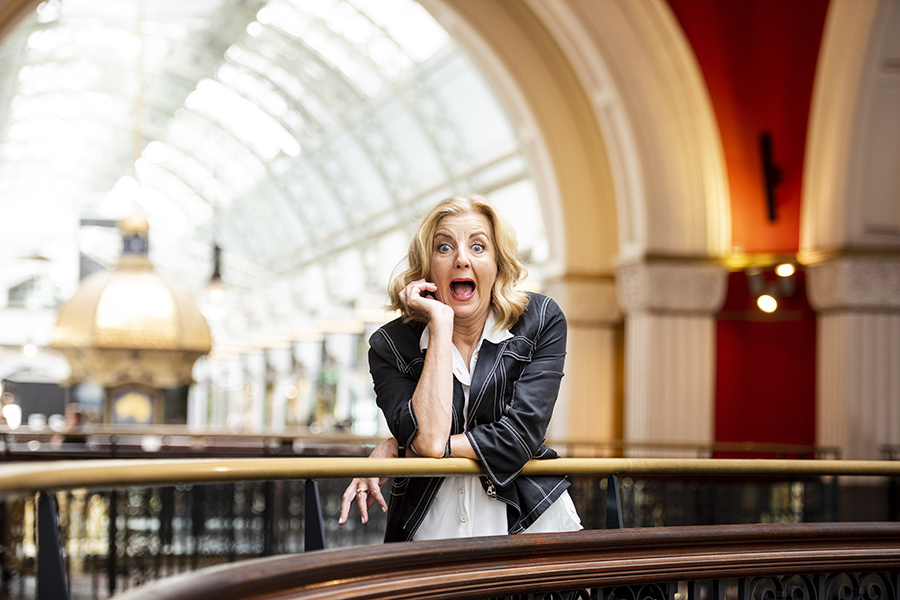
(472, 235)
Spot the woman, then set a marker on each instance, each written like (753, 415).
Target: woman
(471, 370)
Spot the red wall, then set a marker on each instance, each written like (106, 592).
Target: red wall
(765, 372)
(758, 59)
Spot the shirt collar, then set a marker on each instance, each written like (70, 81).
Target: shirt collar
(489, 333)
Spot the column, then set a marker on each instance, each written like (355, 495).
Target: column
(341, 347)
(198, 396)
(670, 348)
(589, 405)
(254, 392)
(278, 367)
(308, 359)
(857, 299)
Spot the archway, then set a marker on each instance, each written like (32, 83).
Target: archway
(610, 102)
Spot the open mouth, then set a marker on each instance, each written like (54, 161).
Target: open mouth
(462, 289)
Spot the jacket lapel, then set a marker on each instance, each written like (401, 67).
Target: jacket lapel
(479, 391)
(459, 402)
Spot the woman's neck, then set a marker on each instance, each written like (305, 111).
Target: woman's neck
(467, 336)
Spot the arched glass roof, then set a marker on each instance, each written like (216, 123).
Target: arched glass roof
(303, 137)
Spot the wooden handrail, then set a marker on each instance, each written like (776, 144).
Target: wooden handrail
(508, 565)
(100, 474)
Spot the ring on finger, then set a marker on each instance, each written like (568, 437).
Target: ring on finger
(362, 491)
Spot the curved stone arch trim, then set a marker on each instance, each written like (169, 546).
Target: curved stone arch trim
(849, 183)
(12, 11)
(555, 121)
(657, 120)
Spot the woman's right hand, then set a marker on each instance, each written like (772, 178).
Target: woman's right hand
(420, 304)
(367, 490)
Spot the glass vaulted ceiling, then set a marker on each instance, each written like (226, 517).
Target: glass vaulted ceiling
(302, 136)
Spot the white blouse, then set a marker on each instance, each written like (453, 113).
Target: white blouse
(461, 507)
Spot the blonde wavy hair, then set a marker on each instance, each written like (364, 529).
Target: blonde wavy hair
(506, 299)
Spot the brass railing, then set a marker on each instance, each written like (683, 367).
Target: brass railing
(100, 474)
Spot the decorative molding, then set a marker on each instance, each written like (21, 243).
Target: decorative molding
(586, 301)
(671, 287)
(551, 112)
(849, 182)
(855, 283)
(13, 11)
(648, 95)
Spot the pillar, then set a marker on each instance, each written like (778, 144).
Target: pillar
(670, 349)
(857, 299)
(589, 405)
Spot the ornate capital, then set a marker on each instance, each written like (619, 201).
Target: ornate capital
(867, 283)
(586, 300)
(671, 286)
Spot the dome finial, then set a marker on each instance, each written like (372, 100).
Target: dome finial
(135, 235)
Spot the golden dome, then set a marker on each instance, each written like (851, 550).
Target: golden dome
(134, 224)
(131, 325)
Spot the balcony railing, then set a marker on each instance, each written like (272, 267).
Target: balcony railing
(140, 533)
(738, 562)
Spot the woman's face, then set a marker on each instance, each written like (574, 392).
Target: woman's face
(464, 265)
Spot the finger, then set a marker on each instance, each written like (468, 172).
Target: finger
(426, 286)
(362, 500)
(415, 290)
(347, 501)
(376, 496)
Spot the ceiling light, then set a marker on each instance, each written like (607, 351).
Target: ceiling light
(767, 303)
(785, 270)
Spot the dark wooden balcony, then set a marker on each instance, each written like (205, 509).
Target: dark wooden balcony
(126, 522)
(824, 561)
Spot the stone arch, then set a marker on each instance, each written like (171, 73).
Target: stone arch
(615, 116)
(850, 227)
(625, 152)
(850, 185)
(11, 11)
(657, 122)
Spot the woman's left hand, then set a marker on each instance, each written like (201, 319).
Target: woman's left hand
(367, 490)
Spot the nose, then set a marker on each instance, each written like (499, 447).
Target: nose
(462, 259)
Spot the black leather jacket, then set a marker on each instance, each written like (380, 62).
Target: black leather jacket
(511, 398)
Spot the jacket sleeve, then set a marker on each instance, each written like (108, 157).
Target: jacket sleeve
(505, 445)
(395, 377)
